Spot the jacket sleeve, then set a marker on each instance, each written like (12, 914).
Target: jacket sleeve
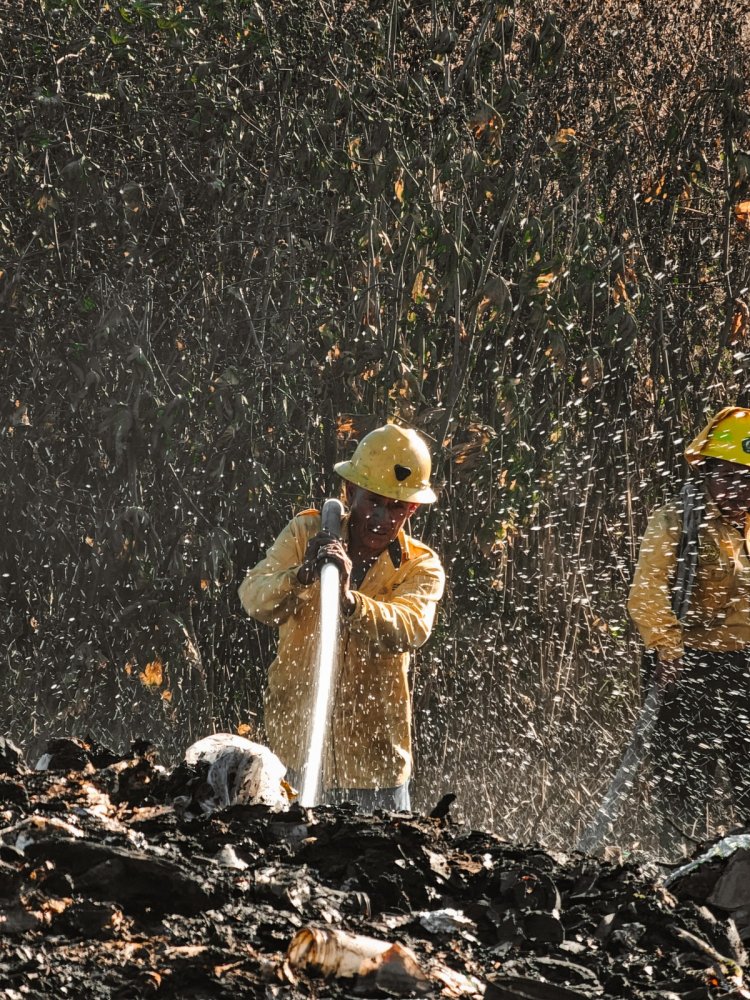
(271, 589)
(404, 622)
(650, 599)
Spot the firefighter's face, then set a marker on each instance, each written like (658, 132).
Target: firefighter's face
(375, 520)
(729, 485)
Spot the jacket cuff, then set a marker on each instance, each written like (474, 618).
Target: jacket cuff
(668, 644)
(358, 611)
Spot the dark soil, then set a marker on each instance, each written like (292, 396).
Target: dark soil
(107, 891)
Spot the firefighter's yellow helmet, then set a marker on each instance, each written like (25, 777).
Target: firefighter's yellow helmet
(725, 436)
(393, 462)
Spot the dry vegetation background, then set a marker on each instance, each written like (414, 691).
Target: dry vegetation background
(235, 235)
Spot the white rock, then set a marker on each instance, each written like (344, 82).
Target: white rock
(227, 857)
(239, 773)
(446, 921)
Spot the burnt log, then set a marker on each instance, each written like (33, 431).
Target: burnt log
(138, 881)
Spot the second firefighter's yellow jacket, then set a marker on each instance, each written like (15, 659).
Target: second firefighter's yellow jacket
(719, 615)
(369, 744)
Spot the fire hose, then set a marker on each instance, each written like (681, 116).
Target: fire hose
(330, 582)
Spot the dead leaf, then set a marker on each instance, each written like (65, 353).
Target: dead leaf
(742, 214)
(561, 138)
(152, 674)
(354, 426)
(467, 452)
(619, 291)
(543, 281)
(291, 792)
(656, 190)
(740, 328)
(486, 123)
(398, 189)
(344, 427)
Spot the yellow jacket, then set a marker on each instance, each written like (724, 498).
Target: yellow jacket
(369, 742)
(719, 615)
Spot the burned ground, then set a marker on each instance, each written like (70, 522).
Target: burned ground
(109, 890)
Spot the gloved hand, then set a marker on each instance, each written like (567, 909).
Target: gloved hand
(321, 548)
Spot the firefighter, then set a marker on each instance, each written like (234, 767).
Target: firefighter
(702, 658)
(390, 586)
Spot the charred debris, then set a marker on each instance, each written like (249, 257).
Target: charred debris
(120, 879)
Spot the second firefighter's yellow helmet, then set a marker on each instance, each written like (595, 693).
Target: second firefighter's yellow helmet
(393, 462)
(725, 436)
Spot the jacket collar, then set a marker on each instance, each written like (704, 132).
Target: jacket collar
(398, 550)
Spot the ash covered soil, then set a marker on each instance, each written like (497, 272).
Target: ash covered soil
(107, 890)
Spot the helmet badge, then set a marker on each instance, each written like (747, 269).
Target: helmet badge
(401, 472)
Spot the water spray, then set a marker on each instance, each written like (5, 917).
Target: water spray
(330, 583)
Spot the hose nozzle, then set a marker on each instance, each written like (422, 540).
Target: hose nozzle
(330, 518)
